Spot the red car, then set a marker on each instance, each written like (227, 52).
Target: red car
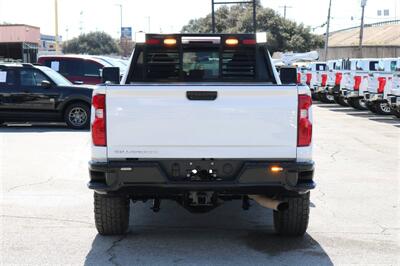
(79, 69)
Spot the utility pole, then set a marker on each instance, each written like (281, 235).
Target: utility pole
(213, 16)
(81, 22)
(56, 25)
(254, 17)
(327, 30)
(363, 4)
(284, 10)
(120, 13)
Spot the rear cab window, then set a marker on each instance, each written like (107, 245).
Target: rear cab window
(197, 59)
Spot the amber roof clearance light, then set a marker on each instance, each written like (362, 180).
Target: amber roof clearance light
(169, 41)
(231, 42)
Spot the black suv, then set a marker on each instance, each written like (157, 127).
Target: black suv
(30, 93)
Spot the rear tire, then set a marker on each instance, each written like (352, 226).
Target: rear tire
(396, 113)
(314, 96)
(357, 103)
(294, 220)
(340, 100)
(111, 214)
(371, 107)
(325, 97)
(77, 115)
(383, 108)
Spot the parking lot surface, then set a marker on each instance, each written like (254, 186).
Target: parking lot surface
(47, 213)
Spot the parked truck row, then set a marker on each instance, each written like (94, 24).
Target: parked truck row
(367, 83)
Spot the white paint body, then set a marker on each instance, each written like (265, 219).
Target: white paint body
(387, 69)
(246, 121)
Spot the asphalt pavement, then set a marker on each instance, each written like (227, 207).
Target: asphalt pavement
(47, 212)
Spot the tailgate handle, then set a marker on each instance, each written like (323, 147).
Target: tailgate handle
(201, 95)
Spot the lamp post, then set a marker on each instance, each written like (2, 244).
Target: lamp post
(327, 30)
(56, 25)
(363, 4)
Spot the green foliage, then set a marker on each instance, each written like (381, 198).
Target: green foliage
(94, 43)
(283, 35)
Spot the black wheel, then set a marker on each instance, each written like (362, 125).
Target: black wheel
(396, 112)
(371, 107)
(314, 96)
(340, 100)
(325, 97)
(111, 214)
(357, 103)
(77, 115)
(383, 108)
(294, 220)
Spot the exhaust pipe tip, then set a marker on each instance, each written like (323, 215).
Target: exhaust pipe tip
(270, 203)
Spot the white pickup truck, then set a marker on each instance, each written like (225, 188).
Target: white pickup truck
(379, 86)
(393, 96)
(357, 82)
(316, 78)
(201, 119)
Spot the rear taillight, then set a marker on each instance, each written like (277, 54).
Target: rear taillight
(382, 84)
(308, 78)
(338, 78)
(304, 125)
(298, 78)
(99, 122)
(357, 83)
(324, 78)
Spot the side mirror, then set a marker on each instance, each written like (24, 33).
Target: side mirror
(288, 75)
(45, 84)
(110, 75)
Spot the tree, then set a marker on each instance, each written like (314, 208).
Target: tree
(283, 34)
(95, 43)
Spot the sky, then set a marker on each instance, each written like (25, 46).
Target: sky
(76, 16)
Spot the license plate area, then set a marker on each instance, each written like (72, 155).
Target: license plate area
(202, 170)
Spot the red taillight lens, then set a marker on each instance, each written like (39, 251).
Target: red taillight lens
(338, 78)
(304, 125)
(308, 78)
(382, 84)
(153, 41)
(324, 78)
(298, 78)
(357, 83)
(99, 123)
(249, 41)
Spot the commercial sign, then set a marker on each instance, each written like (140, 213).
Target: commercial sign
(126, 33)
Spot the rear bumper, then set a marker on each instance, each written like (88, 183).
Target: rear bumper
(394, 101)
(152, 178)
(350, 93)
(373, 96)
(334, 90)
(321, 89)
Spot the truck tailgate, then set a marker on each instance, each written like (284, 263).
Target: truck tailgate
(159, 121)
